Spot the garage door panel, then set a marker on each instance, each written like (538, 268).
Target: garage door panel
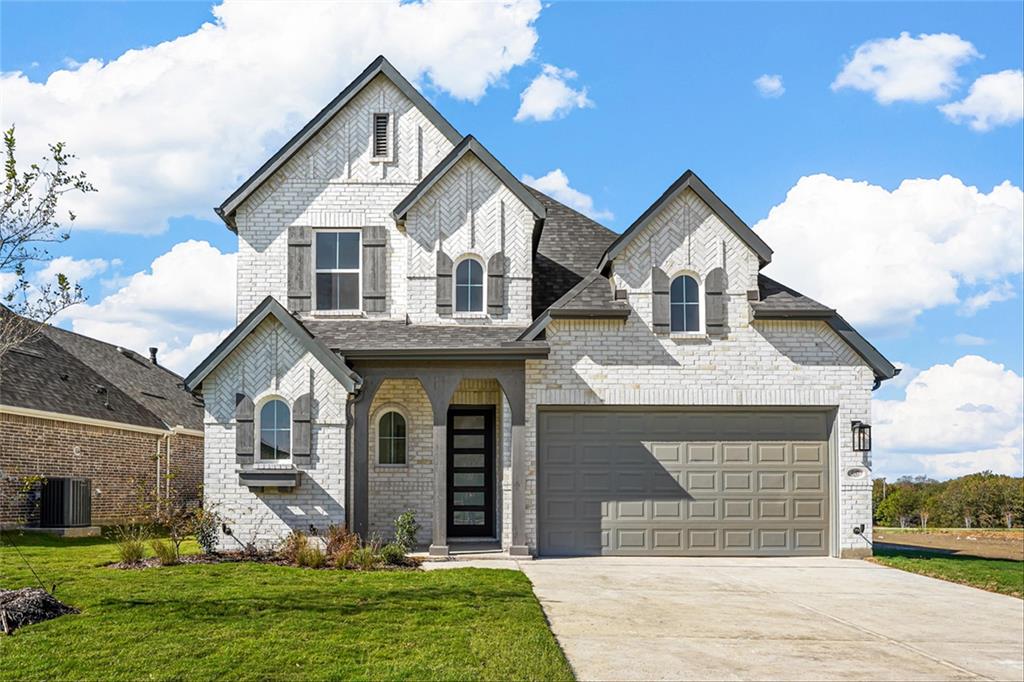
(682, 482)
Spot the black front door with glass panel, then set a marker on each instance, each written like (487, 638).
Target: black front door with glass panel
(471, 472)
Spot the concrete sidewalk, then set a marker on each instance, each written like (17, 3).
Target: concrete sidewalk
(786, 619)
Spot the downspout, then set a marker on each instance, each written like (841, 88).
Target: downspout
(158, 475)
(167, 466)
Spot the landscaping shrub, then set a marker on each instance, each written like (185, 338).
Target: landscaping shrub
(311, 556)
(341, 543)
(294, 545)
(204, 526)
(166, 552)
(131, 542)
(365, 558)
(405, 530)
(393, 554)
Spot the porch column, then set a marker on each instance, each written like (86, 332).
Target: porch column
(440, 386)
(513, 384)
(359, 515)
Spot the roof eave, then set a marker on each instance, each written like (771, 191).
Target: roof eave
(536, 351)
(380, 65)
(590, 313)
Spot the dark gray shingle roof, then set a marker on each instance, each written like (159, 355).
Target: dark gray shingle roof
(778, 300)
(62, 372)
(356, 337)
(570, 247)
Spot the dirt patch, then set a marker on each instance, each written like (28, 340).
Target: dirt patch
(985, 543)
(29, 605)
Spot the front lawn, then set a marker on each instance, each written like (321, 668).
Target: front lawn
(995, 575)
(260, 621)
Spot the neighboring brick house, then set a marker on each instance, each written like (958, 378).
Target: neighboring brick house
(419, 330)
(74, 406)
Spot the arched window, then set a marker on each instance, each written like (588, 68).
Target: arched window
(469, 287)
(685, 297)
(391, 439)
(275, 430)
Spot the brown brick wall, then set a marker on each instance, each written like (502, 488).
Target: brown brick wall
(120, 463)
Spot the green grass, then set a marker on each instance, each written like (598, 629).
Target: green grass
(995, 575)
(258, 621)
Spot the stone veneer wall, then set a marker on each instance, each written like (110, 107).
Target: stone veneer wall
(270, 362)
(121, 464)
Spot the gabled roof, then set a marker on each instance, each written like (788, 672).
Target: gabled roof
(380, 65)
(469, 144)
(269, 307)
(779, 302)
(689, 180)
(591, 298)
(66, 373)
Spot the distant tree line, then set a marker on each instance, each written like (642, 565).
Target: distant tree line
(983, 500)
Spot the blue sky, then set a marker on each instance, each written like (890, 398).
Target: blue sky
(679, 75)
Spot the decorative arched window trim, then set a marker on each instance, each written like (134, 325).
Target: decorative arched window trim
(262, 402)
(699, 281)
(378, 417)
(479, 260)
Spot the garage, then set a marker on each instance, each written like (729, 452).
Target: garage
(678, 482)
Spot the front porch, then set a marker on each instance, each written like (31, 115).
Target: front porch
(460, 465)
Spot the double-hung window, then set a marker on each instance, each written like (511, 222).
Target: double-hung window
(338, 262)
(469, 287)
(685, 300)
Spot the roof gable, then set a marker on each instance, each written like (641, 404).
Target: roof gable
(689, 180)
(470, 145)
(379, 66)
(269, 307)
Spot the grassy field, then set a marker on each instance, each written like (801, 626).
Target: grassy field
(258, 621)
(1005, 576)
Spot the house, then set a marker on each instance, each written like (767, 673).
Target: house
(73, 406)
(417, 329)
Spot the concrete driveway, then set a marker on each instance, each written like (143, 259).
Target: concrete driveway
(787, 619)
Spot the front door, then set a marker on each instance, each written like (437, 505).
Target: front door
(471, 471)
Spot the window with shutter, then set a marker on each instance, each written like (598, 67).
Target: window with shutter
(338, 261)
(381, 137)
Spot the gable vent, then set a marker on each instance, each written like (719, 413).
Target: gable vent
(380, 135)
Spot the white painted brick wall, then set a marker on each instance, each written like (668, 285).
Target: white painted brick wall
(270, 362)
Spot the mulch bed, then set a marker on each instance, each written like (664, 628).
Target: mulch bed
(260, 558)
(27, 606)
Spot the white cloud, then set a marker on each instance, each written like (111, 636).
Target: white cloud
(549, 96)
(916, 69)
(75, 269)
(769, 85)
(995, 99)
(556, 184)
(955, 419)
(969, 340)
(172, 129)
(1001, 291)
(881, 257)
(184, 304)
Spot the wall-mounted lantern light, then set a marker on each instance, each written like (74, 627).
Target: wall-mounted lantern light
(861, 436)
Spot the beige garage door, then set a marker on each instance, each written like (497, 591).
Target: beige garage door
(671, 482)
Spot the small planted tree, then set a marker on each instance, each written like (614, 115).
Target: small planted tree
(29, 223)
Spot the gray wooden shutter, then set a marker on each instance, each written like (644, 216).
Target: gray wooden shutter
(661, 309)
(444, 284)
(301, 429)
(244, 435)
(496, 284)
(300, 269)
(375, 268)
(716, 313)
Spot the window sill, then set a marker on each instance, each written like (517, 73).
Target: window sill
(689, 336)
(381, 159)
(381, 465)
(469, 315)
(337, 313)
(281, 478)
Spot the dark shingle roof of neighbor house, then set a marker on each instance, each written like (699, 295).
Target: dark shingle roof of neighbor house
(364, 338)
(67, 373)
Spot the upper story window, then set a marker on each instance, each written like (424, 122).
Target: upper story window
(275, 430)
(469, 286)
(685, 298)
(381, 136)
(338, 262)
(391, 439)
